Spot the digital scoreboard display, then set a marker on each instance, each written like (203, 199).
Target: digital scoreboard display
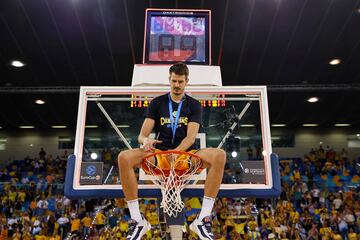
(216, 102)
(177, 36)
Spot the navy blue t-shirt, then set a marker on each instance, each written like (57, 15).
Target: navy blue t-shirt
(158, 110)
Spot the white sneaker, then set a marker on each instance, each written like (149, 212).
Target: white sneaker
(202, 228)
(137, 229)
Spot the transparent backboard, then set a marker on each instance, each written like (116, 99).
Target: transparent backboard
(234, 118)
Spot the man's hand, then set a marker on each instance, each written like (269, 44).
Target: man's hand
(149, 144)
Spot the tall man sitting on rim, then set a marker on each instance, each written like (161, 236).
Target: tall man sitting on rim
(176, 119)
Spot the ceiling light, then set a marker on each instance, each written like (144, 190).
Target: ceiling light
(278, 125)
(95, 139)
(342, 125)
(310, 125)
(0, 127)
(313, 99)
(275, 138)
(358, 135)
(247, 125)
(65, 140)
(58, 126)
(26, 127)
(123, 126)
(93, 156)
(39, 101)
(91, 126)
(335, 61)
(234, 154)
(17, 63)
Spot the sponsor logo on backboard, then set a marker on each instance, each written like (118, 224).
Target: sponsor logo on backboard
(91, 173)
(254, 172)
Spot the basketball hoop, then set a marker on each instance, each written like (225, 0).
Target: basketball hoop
(172, 171)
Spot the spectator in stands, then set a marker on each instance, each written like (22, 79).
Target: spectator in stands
(42, 205)
(42, 154)
(36, 227)
(75, 225)
(16, 235)
(352, 235)
(107, 156)
(100, 220)
(258, 151)
(124, 226)
(51, 221)
(337, 201)
(63, 222)
(112, 219)
(315, 194)
(250, 153)
(325, 231)
(36, 166)
(65, 155)
(65, 202)
(86, 223)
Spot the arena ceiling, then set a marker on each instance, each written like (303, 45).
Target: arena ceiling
(284, 44)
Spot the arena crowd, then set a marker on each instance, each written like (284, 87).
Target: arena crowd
(320, 199)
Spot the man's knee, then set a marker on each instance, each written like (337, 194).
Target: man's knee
(130, 158)
(220, 157)
(215, 157)
(124, 158)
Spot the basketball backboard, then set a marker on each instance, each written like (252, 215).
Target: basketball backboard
(234, 118)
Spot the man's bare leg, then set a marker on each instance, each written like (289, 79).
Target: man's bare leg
(214, 160)
(127, 161)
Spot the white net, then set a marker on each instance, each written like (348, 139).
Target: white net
(173, 180)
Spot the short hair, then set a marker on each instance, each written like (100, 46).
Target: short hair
(179, 69)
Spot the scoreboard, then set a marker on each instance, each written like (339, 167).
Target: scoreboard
(177, 36)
